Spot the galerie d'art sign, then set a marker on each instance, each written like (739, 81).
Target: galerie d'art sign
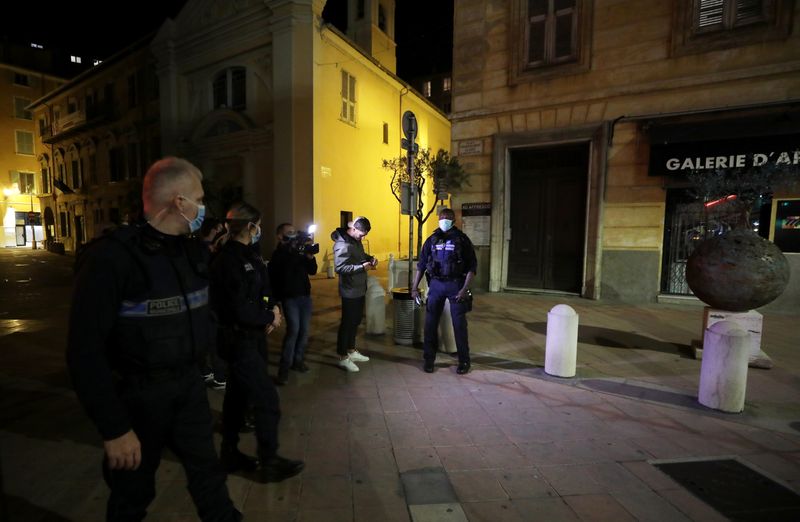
(741, 153)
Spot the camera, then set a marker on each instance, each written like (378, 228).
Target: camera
(302, 243)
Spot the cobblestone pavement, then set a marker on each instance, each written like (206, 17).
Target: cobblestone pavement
(504, 443)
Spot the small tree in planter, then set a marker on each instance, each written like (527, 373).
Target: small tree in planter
(738, 270)
(441, 170)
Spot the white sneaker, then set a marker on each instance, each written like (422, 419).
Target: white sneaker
(358, 356)
(348, 365)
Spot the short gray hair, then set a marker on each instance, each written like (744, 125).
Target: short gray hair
(163, 176)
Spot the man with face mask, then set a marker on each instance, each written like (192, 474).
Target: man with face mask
(289, 269)
(137, 326)
(449, 259)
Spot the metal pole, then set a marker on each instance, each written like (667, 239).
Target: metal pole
(33, 222)
(412, 208)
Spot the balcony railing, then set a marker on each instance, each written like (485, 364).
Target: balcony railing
(70, 121)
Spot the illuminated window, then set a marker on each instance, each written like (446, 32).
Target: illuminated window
(75, 59)
(230, 89)
(24, 142)
(447, 84)
(24, 181)
(348, 93)
(19, 109)
(426, 89)
(37, 46)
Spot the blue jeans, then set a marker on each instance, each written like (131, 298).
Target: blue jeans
(297, 312)
(438, 291)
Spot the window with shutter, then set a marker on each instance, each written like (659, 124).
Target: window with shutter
(708, 25)
(551, 37)
(19, 108)
(229, 89)
(348, 93)
(24, 142)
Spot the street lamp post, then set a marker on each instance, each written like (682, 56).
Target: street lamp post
(32, 221)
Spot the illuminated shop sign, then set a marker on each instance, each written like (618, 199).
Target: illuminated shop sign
(741, 153)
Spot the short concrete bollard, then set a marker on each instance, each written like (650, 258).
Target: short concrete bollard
(723, 372)
(375, 307)
(447, 337)
(561, 345)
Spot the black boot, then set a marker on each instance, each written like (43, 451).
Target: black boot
(428, 366)
(300, 367)
(234, 460)
(283, 376)
(277, 469)
(463, 368)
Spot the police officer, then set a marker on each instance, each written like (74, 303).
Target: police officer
(448, 258)
(240, 294)
(137, 326)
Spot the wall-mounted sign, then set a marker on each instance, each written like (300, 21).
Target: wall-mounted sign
(476, 220)
(740, 153)
(470, 148)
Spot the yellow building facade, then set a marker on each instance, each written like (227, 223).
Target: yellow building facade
(285, 112)
(22, 181)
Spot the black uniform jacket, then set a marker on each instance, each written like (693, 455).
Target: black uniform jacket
(240, 288)
(139, 307)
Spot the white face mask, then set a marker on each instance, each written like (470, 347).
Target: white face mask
(445, 224)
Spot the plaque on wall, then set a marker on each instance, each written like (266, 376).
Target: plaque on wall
(476, 221)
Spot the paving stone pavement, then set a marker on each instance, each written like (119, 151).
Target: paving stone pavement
(391, 443)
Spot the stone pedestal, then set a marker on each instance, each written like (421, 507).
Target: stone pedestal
(723, 373)
(375, 307)
(561, 345)
(447, 337)
(750, 321)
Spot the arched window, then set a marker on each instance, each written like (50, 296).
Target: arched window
(230, 89)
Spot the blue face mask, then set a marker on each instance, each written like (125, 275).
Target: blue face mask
(254, 239)
(445, 224)
(197, 222)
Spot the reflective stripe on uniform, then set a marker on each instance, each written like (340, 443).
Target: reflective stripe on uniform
(165, 306)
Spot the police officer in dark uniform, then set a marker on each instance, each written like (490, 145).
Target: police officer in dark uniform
(137, 327)
(449, 260)
(240, 295)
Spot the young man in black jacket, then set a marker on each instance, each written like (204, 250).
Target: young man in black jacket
(289, 269)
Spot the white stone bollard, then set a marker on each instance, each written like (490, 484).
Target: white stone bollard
(375, 307)
(723, 372)
(447, 337)
(561, 345)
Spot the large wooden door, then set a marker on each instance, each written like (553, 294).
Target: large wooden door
(547, 217)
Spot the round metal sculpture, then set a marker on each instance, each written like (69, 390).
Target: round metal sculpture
(737, 271)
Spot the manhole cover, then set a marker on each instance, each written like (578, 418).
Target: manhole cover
(735, 490)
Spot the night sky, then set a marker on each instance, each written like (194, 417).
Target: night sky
(423, 30)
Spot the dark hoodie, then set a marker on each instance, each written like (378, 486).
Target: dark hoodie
(349, 258)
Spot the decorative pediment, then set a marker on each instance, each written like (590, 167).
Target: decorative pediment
(219, 123)
(199, 15)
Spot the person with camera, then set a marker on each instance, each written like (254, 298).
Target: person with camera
(291, 263)
(448, 259)
(352, 265)
(240, 296)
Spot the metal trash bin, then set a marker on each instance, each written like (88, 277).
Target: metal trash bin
(403, 316)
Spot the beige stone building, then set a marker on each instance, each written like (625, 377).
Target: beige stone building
(579, 118)
(100, 131)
